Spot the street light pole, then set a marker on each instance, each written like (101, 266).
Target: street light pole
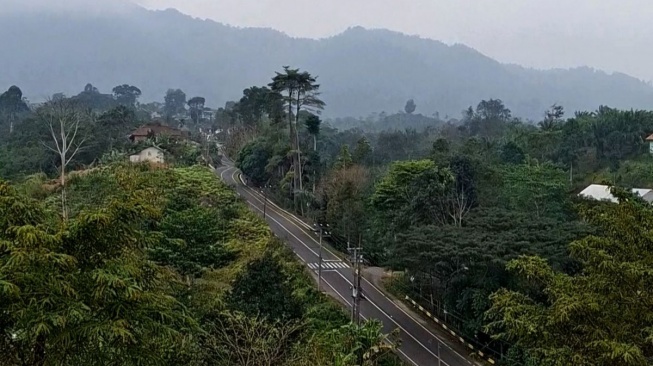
(265, 202)
(319, 270)
(356, 284)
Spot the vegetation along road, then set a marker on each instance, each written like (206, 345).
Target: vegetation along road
(419, 346)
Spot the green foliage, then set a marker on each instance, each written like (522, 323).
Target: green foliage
(344, 160)
(126, 95)
(263, 290)
(238, 339)
(410, 106)
(535, 187)
(312, 124)
(260, 102)
(199, 241)
(409, 194)
(145, 272)
(11, 106)
(253, 160)
(196, 107)
(91, 98)
(601, 316)
(343, 201)
(463, 265)
(511, 153)
(174, 103)
(362, 151)
(85, 292)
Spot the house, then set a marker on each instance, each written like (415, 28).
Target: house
(156, 129)
(207, 115)
(650, 143)
(602, 193)
(151, 154)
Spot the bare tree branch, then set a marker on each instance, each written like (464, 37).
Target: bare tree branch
(64, 121)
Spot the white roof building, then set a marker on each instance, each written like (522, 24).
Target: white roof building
(602, 193)
(152, 154)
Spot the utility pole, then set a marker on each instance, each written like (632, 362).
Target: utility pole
(265, 197)
(265, 202)
(356, 288)
(319, 268)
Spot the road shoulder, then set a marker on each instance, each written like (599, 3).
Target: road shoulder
(378, 275)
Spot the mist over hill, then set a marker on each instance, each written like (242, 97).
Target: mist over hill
(49, 50)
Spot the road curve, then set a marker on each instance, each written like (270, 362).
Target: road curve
(419, 345)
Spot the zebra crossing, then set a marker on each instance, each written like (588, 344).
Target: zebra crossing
(329, 265)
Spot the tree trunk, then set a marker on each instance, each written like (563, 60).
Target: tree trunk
(39, 351)
(64, 211)
(293, 145)
(299, 156)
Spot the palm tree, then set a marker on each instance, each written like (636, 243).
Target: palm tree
(300, 92)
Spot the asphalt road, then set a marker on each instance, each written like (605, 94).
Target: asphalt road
(419, 345)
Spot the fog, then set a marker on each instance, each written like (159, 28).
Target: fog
(60, 46)
(614, 35)
(77, 7)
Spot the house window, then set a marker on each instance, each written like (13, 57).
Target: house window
(149, 153)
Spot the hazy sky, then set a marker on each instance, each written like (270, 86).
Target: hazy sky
(614, 35)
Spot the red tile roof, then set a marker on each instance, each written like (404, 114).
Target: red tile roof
(156, 129)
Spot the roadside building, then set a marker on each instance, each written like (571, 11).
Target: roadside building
(152, 154)
(601, 192)
(157, 129)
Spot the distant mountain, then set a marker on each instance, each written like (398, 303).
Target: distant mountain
(361, 71)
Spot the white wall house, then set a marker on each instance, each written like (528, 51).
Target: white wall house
(151, 154)
(602, 193)
(650, 143)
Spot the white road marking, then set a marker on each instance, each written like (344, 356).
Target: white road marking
(329, 251)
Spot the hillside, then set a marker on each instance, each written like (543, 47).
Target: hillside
(362, 71)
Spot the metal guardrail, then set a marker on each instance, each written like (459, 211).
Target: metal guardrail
(462, 340)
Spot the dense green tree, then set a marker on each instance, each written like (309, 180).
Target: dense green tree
(552, 118)
(534, 187)
(410, 106)
(239, 339)
(116, 124)
(253, 160)
(313, 123)
(462, 266)
(411, 194)
(11, 105)
(83, 293)
(127, 95)
(489, 120)
(174, 103)
(511, 153)
(362, 151)
(342, 194)
(344, 159)
(92, 98)
(601, 316)
(259, 102)
(196, 108)
(300, 92)
(263, 290)
(197, 241)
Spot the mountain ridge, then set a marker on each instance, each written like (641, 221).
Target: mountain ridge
(361, 70)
